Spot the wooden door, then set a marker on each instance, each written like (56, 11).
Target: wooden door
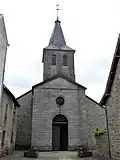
(56, 137)
(64, 137)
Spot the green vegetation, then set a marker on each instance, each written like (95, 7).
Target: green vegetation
(99, 132)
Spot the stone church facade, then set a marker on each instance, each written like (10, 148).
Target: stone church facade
(56, 114)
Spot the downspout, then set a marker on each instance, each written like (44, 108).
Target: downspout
(106, 115)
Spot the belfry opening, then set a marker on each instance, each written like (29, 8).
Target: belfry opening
(60, 133)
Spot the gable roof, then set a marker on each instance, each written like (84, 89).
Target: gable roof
(112, 73)
(11, 95)
(59, 76)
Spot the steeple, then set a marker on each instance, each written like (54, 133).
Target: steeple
(58, 58)
(57, 40)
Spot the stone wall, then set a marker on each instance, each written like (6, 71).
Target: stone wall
(102, 147)
(3, 52)
(50, 71)
(9, 124)
(45, 108)
(84, 115)
(23, 137)
(95, 119)
(113, 112)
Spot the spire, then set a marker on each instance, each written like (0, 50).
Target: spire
(57, 38)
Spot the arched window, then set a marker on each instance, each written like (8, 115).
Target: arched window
(64, 60)
(53, 59)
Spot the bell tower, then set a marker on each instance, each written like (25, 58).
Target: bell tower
(58, 58)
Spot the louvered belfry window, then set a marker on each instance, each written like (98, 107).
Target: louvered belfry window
(64, 60)
(53, 59)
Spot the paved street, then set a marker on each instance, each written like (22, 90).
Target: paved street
(51, 156)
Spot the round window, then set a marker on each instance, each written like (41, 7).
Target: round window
(60, 101)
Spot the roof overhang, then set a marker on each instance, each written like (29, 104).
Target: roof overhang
(111, 74)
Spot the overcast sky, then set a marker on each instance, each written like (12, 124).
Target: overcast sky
(91, 27)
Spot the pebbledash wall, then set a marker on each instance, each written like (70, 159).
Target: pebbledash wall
(38, 107)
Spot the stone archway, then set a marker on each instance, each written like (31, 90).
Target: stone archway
(60, 133)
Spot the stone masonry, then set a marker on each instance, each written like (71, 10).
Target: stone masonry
(83, 113)
(50, 71)
(24, 126)
(95, 119)
(111, 100)
(39, 107)
(8, 123)
(113, 110)
(44, 111)
(3, 52)
(8, 103)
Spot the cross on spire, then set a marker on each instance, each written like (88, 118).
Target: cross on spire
(57, 9)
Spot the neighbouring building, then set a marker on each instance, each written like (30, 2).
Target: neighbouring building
(56, 114)
(8, 124)
(3, 52)
(8, 103)
(111, 100)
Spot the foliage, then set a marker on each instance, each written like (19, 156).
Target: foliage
(99, 132)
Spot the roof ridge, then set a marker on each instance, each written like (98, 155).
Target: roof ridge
(57, 76)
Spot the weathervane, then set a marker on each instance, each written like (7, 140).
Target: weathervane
(57, 9)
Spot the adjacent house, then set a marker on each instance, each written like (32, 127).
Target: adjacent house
(8, 123)
(111, 101)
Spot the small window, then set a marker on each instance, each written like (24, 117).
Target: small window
(6, 112)
(64, 60)
(53, 59)
(12, 137)
(3, 139)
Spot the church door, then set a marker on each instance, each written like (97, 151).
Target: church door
(60, 133)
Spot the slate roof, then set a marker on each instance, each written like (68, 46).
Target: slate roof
(112, 73)
(57, 40)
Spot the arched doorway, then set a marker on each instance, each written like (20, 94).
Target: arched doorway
(60, 133)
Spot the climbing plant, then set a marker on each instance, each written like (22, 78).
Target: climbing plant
(98, 132)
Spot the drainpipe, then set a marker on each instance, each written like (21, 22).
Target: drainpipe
(106, 115)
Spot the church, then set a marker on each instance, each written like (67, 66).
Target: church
(56, 114)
